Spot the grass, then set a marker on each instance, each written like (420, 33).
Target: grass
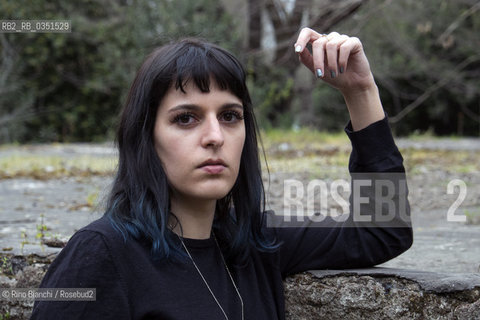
(6, 266)
(306, 151)
(428, 135)
(46, 167)
(315, 166)
(5, 316)
(473, 216)
(302, 138)
(458, 161)
(296, 151)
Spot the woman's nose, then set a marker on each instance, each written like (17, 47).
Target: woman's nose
(212, 133)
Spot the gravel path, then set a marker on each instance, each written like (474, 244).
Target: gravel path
(470, 144)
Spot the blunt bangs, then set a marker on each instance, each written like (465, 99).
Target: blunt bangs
(201, 62)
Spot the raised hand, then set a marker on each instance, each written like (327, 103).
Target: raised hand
(340, 61)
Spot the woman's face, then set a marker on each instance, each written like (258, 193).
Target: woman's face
(199, 139)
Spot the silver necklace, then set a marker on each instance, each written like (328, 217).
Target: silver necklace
(205, 281)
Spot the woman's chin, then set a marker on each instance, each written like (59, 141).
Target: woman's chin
(206, 193)
(204, 190)
(214, 194)
(214, 189)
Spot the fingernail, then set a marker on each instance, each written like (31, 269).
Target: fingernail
(298, 48)
(333, 74)
(341, 69)
(319, 73)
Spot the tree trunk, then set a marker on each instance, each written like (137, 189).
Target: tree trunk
(319, 15)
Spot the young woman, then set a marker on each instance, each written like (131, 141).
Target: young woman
(184, 235)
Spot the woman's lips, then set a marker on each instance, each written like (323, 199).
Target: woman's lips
(213, 166)
(213, 169)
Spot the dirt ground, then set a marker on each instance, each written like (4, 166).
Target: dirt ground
(33, 210)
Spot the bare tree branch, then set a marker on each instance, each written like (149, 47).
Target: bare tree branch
(470, 113)
(335, 13)
(456, 23)
(439, 84)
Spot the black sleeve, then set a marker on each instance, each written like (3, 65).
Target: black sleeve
(342, 245)
(373, 149)
(85, 262)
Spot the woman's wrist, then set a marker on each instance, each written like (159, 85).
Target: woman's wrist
(364, 106)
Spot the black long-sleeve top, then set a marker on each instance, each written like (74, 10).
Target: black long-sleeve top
(129, 285)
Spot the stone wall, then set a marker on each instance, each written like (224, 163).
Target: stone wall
(380, 293)
(376, 293)
(21, 272)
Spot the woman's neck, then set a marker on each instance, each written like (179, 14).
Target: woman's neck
(196, 217)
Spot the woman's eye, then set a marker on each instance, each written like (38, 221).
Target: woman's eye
(231, 116)
(184, 119)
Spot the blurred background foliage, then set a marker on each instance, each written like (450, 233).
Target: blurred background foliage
(65, 87)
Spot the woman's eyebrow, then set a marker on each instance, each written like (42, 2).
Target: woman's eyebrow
(231, 105)
(194, 107)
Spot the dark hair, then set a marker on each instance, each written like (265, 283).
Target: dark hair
(138, 205)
